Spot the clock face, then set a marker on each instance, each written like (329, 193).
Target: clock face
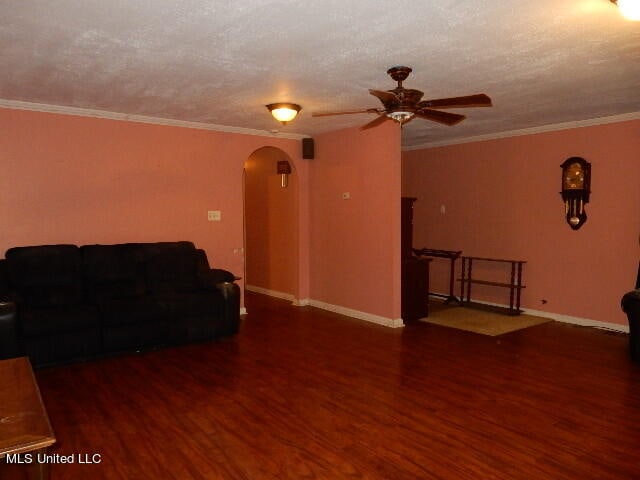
(574, 177)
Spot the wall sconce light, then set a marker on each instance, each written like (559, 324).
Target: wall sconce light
(630, 9)
(576, 187)
(284, 169)
(284, 112)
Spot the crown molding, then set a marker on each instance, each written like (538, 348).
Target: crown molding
(625, 117)
(87, 112)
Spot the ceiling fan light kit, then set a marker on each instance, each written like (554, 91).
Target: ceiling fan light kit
(284, 112)
(404, 104)
(401, 116)
(630, 9)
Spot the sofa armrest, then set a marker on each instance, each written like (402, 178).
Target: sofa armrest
(212, 277)
(231, 308)
(9, 339)
(631, 302)
(222, 275)
(631, 306)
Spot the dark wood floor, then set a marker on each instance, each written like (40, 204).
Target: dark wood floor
(305, 394)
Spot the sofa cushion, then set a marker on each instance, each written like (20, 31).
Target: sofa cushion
(192, 304)
(142, 252)
(110, 271)
(173, 272)
(57, 320)
(126, 311)
(136, 336)
(46, 275)
(51, 296)
(43, 265)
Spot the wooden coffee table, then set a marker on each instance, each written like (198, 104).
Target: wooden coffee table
(24, 425)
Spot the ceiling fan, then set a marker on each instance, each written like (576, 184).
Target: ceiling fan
(404, 104)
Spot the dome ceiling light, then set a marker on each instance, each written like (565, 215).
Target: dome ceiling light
(284, 112)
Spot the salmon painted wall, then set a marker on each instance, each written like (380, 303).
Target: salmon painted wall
(355, 243)
(271, 223)
(501, 200)
(79, 180)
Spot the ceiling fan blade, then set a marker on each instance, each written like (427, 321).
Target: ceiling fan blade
(375, 122)
(344, 112)
(480, 100)
(440, 117)
(385, 97)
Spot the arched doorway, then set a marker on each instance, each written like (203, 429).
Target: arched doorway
(270, 225)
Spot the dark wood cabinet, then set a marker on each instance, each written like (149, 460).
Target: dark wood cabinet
(406, 223)
(415, 271)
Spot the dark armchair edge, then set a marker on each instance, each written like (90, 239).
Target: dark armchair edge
(9, 339)
(231, 294)
(631, 306)
(629, 299)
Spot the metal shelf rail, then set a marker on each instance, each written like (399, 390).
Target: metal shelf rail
(515, 284)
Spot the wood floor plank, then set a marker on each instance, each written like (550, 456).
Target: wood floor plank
(302, 393)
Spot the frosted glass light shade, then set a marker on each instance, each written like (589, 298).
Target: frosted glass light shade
(400, 116)
(284, 112)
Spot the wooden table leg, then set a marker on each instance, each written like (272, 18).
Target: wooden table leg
(25, 471)
(39, 470)
(519, 286)
(462, 276)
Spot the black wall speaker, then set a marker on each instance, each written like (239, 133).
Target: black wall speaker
(307, 148)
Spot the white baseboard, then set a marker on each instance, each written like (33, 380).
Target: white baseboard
(303, 302)
(368, 317)
(584, 322)
(397, 323)
(271, 293)
(297, 302)
(559, 317)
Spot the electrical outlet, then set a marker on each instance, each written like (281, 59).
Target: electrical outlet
(214, 215)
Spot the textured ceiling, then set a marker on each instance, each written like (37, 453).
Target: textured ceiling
(542, 62)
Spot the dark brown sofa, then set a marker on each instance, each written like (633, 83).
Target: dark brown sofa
(72, 302)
